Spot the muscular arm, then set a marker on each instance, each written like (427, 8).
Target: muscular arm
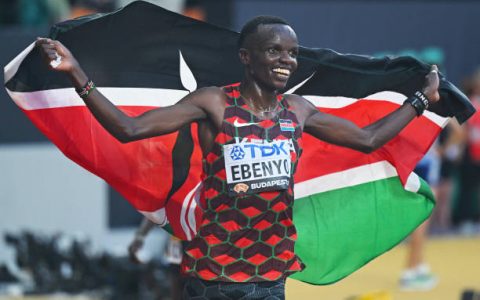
(342, 132)
(151, 123)
(198, 105)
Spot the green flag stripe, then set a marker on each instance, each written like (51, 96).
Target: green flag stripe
(346, 228)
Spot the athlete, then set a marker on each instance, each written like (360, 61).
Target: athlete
(250, 138)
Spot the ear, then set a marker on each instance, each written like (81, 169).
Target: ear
(244, 56)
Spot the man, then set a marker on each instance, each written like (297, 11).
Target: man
(251, 141)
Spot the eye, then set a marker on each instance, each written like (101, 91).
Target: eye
(293, 53)
(272, 51)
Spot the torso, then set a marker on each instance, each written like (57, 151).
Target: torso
(209, 128)
(247, 237)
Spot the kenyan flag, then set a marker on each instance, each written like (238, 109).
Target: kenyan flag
(350, 207)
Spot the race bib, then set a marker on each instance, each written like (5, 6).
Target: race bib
(257, 167)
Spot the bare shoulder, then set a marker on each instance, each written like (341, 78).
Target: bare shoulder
(212, 100)
(212, 91)
(301, 106)
(297, 101)
(207, 97)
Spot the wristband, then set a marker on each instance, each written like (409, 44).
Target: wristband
(419, 102)
(86, 90)
(422, 97)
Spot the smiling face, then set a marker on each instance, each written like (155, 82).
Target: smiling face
(270, 55)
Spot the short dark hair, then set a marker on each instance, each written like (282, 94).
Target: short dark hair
(252, 26)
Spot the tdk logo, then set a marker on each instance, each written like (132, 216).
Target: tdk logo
(237, 153)
(266, 150)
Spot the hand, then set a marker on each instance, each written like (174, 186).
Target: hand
(133, 248)
(430, 89)
(56, 55)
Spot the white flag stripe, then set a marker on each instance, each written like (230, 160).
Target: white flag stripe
(393, 97)
(67, 97)
(334, 181)
(351, 177)
(12, 67)
(186, 75)
(330, 102)
(159, 216)
(413, 183)
(293, 89)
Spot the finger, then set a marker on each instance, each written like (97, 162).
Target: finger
(48, 54)
(434, 70)
(42, 43)
(433, 74)
(41, 40)
(50, 51)
(59, 47)
(45, 42)
(55, 58)
(45, 47)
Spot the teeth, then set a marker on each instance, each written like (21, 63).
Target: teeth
(282, 71)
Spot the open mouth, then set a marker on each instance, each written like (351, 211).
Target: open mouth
(282, 72)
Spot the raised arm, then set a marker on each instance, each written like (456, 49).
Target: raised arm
(342, 132)
(195, 106)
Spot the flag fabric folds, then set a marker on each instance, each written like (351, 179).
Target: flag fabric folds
(349, 208)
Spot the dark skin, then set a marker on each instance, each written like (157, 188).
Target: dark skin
(269, 56)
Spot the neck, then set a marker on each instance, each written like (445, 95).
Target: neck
(258, 98)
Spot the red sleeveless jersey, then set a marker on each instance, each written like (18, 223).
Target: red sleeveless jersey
(247, 234)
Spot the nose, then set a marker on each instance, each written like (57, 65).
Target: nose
(286, 58)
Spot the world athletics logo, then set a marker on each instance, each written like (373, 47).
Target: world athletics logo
(237, 153)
